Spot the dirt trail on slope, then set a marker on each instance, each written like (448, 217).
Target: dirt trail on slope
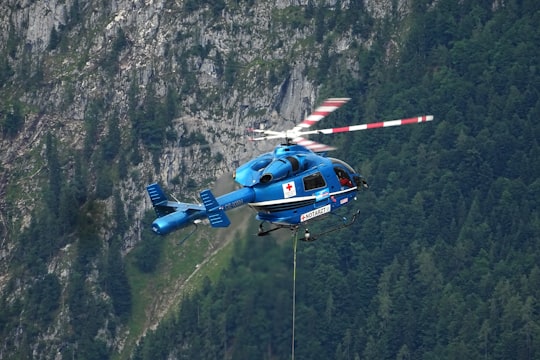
(217, 240)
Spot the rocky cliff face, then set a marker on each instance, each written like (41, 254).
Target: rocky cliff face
(72, 68)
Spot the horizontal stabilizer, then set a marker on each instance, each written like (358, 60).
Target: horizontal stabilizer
(215, 213)
(156, 194)
(209, 201)
(219, 219)
(161, 205)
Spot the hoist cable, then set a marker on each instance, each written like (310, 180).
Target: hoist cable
(294, 290)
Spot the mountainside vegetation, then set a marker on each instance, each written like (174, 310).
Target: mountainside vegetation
(443, 263)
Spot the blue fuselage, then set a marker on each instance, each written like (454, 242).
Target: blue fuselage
(289, 186)
(293, 185)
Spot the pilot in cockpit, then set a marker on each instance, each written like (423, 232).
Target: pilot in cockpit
(344, 178)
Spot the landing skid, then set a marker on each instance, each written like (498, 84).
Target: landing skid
(307, 235)
(263, 232)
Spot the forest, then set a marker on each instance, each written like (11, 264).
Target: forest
(444, 262)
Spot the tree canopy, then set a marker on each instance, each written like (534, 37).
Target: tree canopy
(444, 262)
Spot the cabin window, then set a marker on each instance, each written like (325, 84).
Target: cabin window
(314, 181)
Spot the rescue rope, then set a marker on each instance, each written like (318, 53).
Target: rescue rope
(294, 290)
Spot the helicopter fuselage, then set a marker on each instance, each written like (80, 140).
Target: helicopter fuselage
(288, 186)
(293, 184)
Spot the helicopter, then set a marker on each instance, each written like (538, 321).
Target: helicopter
(287, 187)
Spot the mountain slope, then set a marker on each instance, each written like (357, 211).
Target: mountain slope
(444, 262)
(96, 101)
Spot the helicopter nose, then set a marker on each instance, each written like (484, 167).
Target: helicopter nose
(360, 182)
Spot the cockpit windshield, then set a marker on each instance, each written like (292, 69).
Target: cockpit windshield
(343, 164)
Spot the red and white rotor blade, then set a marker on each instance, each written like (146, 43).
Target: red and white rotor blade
(398, 122)
(313, 145)
(328, 106)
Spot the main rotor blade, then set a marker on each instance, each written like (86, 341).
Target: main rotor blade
(328, 106)
(376, 125)
(313, 145)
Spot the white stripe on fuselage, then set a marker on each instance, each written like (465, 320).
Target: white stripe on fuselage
(299, 199)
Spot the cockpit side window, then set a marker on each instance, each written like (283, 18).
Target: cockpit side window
(341, 173)
(343, 177)
(314, 181)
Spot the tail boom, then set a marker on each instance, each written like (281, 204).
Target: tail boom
(172, 216)
(174, 221)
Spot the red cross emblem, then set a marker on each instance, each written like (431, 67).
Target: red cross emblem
(289, 190)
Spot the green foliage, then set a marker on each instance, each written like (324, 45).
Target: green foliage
(13, 40)
(87, 316)
(5, 69)
(54, 39)
(236, 324)
(113, 141)
(75, 14)
(443, 263)
(34, 310)
(88, 312)
(232, 66)
(92, 115)
(43, 301)
(148, 253)
(68, 209)
(12, 121)
(195, 137)
(79, 183)
(150, 121)
(104, 180)
(116, 281)
(51, 223)
(55, 174)
(89, 244)
(110, 62)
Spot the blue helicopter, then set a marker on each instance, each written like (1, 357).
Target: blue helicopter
(290, 186)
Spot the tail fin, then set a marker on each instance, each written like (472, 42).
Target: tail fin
(215, 214)
(161, 205)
